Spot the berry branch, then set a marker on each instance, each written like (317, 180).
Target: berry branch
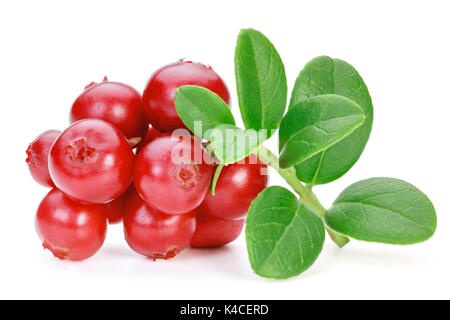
(305, 192)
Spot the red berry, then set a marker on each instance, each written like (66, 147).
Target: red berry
(173, 173)
(215, 232)
(37, 157)
(159, 94)
(237, 187)
(91, 161)
(153, 233)
(70, 230)
(114, 102)
(115, 210)
(151, 135)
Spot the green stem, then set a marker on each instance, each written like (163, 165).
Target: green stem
(309, 198)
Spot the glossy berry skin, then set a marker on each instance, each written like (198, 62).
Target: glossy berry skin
(153, 233)
(237, 187)
(151, 135)
(114, 102)
(115, 210)
(159, 94)
(91, 161)
(174, 186)
(37, 157)
(70, 230)
(215, 232)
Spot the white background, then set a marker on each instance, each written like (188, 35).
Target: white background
(50, 49)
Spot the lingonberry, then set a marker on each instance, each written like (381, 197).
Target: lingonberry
(91, 161)
(153, 233)
(70, 230)
(115, 210)
(151, 135)
(237, 187)
(215, 232)
(158, 96)
(114, 102)
(37, 157)
(173, 173)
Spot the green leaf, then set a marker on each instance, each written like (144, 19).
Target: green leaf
(383, 210)
(324, 75)
(231, 144)
(260, 80)
(316, 124)
(215, 179)
(283, 237)
(197, 104)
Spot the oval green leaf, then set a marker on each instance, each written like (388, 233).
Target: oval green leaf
(324, 75)
(260, 80)
(201, 110)
(316, 124)
(383, 210)
(283, 237)
(230, 144)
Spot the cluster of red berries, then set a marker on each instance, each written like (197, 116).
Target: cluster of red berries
(97, 178)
